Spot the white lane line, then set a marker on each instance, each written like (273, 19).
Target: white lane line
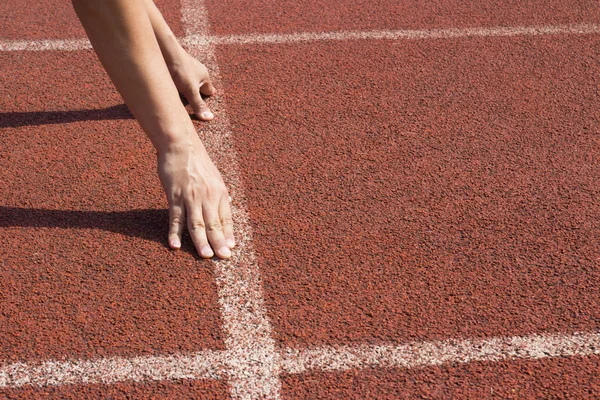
(218, 364)
(408, 34)
(198, 39)
(253, 360)
(422, 354)
(202, 365)
(45, 45)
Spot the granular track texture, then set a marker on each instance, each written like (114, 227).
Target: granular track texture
(421, 190)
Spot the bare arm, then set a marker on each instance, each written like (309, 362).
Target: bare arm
(189, 75)
(122, 36)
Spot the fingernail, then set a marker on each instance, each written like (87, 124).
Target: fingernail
(207, 114)
(225, 252)
(230, 243)
(175, 243)
(207, 252)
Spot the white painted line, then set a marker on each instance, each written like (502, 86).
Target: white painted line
(409, 34)
(423, 354)
(253, 361)
(45, 45)
(204, 39)
(202, 365)
(220, 364)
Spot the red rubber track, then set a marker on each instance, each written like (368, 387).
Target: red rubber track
(292, 16)
(55, 19)
(148, 390)
(560, 378)
(419, 191)
(86, 272)
(422, 190)
(398, 191)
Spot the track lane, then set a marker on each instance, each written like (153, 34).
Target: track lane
(289, 16)
(85, 269)
(523, 379)
(421, 190)
(183, 389)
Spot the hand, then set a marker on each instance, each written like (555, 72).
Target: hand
(196, 193)
(191, 79)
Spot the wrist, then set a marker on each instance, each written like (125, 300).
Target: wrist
(171, 50)
(168, 139)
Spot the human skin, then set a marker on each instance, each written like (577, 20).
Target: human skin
(135, 56)
(189, 75)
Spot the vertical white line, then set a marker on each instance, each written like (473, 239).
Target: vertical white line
(253, 362)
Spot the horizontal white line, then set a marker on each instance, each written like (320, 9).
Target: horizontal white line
(41, 45)
(578, 29)
(422, 354)
(408, 34)
(202, 365)
(216, 364)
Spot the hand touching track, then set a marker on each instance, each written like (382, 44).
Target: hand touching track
(191, 80)
(189, 75)
(194, 187)
(148, 66)
(196, 194)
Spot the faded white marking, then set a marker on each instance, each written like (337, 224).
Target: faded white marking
(202, 365)
(45, 45)
(408, 34)
(219, 364)
(252, 357)
(198, 21)
(422, 354)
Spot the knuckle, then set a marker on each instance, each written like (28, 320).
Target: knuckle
(197, 191)
(213, 226)
(192, 96)
(226, 221)
(176, 221)
(221, 189)
(215, 192)
(188, 90)
(197, 224)
(202, 68)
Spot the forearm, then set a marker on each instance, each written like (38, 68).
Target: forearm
(123, 37)
(124, 40)
(169, 45)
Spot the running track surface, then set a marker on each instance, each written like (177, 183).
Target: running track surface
(417, 215)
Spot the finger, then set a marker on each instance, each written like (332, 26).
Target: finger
(197, 230)
(207, 88)
(176, 224)
(214, 231)
(198, 105)
(227, 220)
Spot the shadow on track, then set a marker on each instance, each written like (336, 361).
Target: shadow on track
(35, 118)
(145, 224)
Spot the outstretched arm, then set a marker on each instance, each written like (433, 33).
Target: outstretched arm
(122, 35)
(189, 75)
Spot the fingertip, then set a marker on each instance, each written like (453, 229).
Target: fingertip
(206, 252)
(230, 243)
(175, 243)
(224, 252)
